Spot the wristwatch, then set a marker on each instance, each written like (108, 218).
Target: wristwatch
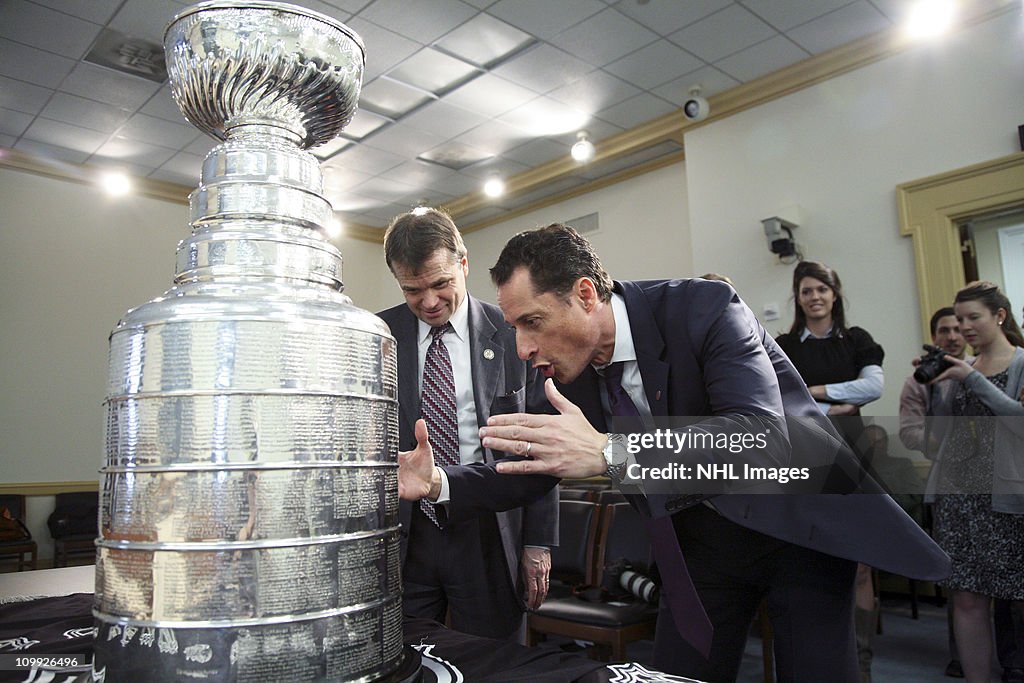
(615, 456)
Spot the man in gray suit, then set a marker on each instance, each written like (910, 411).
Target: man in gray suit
(457, 366)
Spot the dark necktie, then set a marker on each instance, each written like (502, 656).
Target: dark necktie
(437, 407)
(687, 611)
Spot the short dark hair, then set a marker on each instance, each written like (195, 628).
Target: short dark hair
(819, 271)
(938, 315)
(556, 256)
(413, 237)
(991, 297)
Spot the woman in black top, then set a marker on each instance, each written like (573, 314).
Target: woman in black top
(842, 367)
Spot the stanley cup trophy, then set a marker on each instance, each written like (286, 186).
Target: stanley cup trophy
(249, 516)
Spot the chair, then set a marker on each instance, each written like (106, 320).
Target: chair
(72, 526)
(572, 561)
(610, 625)
(23, 550)
(610, 496)
(567, 493)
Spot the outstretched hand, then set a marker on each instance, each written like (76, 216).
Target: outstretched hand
(417, 475)
(958, 369)
(562, 445)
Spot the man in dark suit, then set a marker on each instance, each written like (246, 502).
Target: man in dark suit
(692, 349)
(456, 367)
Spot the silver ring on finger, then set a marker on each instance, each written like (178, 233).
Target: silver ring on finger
(528, 445)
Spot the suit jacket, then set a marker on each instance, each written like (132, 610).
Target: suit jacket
(502, 383)
(701, 352)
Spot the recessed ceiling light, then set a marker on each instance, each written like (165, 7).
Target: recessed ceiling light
(115, 184)
(930, 18)
(494, 187)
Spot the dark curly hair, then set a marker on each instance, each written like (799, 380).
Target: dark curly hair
(556, 256)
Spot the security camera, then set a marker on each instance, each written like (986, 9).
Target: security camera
(779, 233)
(696, 108)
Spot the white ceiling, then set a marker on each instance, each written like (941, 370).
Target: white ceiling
(454, 90)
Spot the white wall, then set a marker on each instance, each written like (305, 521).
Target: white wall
(72, 261)
(839, 149)
(643, 229)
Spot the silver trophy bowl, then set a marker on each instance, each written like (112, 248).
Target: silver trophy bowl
(249, 517)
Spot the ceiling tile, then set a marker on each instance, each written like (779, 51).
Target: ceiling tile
(26, 63)
(386, 188)
(455, 155)
(135, 152)
(45, 151)
(458, 185)
(595, 91)
(596, 128)
(666, 17)
(836, 28)
(46, 29)
(434, 71)
(119, 90)
(604, 37)
(761, 59)
(543, 68)
(185, 165)
(64, 134)
(500, 167)
(85, 112)
(785, 14)
(723, 33)
(418, 173)
(545, 116)
(432, 19)
(201, 145)
(14, 122)
(339, 179)
(124, 166)
(384, 48)
(543, 18)
(168, 176)
(351, 6)
(22, 96)
(636, 110)
(493, 137)
(711, 81)
(444, 119)
(163, 106)
(490, 95)
(367, 159)
(655, 64)
(329, 149)
(536, 152)
(158, 131)
(481, 215)
(96, 11)
(403, 139)
(145, 19)
(364, 123)
(391, 98)
(484, 40)
(331, 9)
(7, 141)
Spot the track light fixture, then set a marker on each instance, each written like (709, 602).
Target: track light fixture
(583, 149)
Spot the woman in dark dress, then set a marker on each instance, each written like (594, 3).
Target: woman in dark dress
(979, 473)
(842, 367)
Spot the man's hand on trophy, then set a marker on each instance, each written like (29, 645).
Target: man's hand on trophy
(417, 476)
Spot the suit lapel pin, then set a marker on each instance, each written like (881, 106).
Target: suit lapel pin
(489, 354)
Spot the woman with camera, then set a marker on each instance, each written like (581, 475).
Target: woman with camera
(979, 471)
(842, 367)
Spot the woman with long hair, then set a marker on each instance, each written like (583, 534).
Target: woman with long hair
(979, 471)
(842, 367)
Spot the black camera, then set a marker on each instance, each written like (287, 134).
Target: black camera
(932, 364)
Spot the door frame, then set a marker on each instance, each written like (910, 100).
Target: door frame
(931, 209)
